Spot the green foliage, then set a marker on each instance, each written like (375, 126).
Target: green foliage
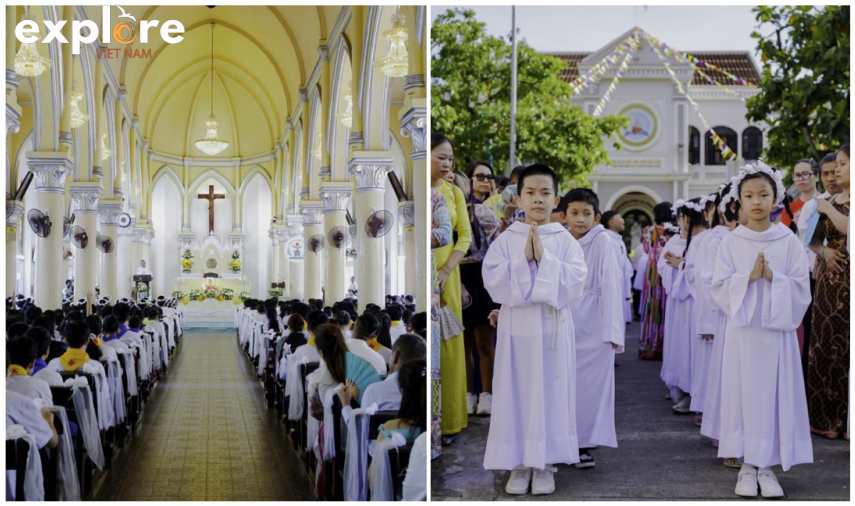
(471, 94)
(804, 94)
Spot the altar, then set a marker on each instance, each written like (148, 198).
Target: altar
(196, 283)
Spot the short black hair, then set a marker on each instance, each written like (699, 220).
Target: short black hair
(342, 318)
(41, 337)
(44, 321)
(316, 318)
(515, 173)
(22, 351)
(581, 195)
(537, 169)
(662, 213)
(17, 330)
(135, 322)
(418, 321)
(437, 139)
(76, 333)
(607, 216)
(829, 158)
(366, 326)
(395, 311)
(96, 326)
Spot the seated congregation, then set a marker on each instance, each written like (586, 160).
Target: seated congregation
(350, 390)
(77, 384)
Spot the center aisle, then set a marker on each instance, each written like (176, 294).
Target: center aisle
(206, 434)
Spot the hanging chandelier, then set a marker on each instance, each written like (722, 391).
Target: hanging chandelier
(105, 151)
(316, 150)
(78, 119)
(396, 63)
(346, 117)
(28, 61)
(211, 144)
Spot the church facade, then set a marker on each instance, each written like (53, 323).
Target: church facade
(312, 126)
(666, 153)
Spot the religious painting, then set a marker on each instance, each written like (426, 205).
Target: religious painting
(294, 248)
(642, 128)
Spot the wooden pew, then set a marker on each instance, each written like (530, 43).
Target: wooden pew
(399, 460)
(17, 451)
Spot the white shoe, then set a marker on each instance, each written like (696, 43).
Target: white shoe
(519, 480)
(682, 407)
(747, 484)
(471, 400)
(769, 486)
(543, 481)
(485, 404)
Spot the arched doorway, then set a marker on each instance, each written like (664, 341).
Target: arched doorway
(637, 211)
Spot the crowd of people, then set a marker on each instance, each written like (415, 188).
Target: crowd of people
(744, 297)
(77, 380)
(332, 372)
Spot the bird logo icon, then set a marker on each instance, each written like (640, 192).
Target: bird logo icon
(126, 15)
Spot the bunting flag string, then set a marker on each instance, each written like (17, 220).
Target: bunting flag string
(633, 46)
(697, 62)
(597, 71)
(684, 58)
(726, 152)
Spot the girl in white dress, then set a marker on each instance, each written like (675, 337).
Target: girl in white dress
(761, 281)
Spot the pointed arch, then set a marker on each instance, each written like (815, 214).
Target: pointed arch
(215, 175)
(253, 172)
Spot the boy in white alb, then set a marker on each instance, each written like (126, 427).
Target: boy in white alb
(598, 322)
(535, 270)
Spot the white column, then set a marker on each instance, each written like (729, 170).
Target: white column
(369, 169)
(109, 211)
(406, 214)
(126, 268)
(14, 210)
(414, 125)
(335, 197)
(273, 271)
(86, 197)
(50, 169)
(280, 251)
(313, 224)
(295, 287)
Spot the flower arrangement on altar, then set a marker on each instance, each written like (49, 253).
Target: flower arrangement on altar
(141, 287)
(244, 296)
(186, 262)
(275, 292)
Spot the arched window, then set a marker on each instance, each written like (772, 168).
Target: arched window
(752, 143)
(694, 146)
(713, 154)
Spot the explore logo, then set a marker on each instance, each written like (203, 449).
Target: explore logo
(124, 32)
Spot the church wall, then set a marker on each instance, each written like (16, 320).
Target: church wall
(166, 205)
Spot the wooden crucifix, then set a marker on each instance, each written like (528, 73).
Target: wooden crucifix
(211, 197)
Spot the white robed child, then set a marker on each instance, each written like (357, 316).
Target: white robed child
(613, 222)
(761, 280)
(676, 353)
(712, 320)
(535, 269)
(598, 324)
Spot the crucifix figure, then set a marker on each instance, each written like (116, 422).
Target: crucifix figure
(211, 197)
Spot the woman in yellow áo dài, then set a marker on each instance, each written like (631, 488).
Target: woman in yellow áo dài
(451, 355)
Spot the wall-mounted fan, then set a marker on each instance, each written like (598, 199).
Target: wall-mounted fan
(39, 222)
(316, 243)
(379, 223)
(67, 223)
(79, 237)
(397, 187)
(106, 244)
(125, 220)
(339, 237)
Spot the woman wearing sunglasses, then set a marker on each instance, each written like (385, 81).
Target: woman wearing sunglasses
(485, 228)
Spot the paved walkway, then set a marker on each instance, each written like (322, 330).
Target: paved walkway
(660, 456)
(206, 434)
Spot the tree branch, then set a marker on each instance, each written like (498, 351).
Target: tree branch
(811, 144)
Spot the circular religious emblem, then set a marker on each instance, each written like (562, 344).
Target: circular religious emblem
(295, 248)
(211, 263)
(642, 128)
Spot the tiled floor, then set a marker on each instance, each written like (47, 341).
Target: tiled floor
(206, 434)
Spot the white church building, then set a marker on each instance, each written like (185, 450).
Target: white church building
(665, 153)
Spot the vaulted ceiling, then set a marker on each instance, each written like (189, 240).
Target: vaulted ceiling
(262, 56)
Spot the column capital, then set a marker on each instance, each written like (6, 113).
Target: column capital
(274, 236)
(86, 197)
(13, 120)
(369, 169)
(295, 225)
(336, 196)
(50, 169)
(141, 235)
(414, 126)
(414, 81)
(109, 211)
(14, 210)
(282, 232)
(312, 213)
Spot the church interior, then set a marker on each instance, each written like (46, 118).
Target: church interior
(182, 210)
